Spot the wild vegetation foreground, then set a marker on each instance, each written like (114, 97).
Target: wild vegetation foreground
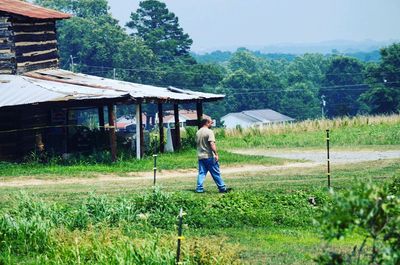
(270, 217)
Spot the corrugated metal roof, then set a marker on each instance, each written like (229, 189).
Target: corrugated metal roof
(27, 9)
(267, 115)
(136, 91)
(243, 117)
(260, 116)
(59, 85)
(185, 114)
(21, 90)
(200, 95)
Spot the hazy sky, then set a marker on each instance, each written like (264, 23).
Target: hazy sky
(227, 23)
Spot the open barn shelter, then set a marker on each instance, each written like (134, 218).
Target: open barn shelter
(37, 99)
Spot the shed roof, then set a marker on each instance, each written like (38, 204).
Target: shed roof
(60, 86)
(30, 10)
(261, 115)
(138, 92)
(242, 116)
(267, 115)
(21, 90)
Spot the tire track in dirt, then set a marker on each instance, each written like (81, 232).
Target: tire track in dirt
(316, 158)
(134, 176)
(319, 156)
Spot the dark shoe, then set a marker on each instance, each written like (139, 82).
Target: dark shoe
(225, 190)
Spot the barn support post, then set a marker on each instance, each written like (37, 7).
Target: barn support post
(101, 118)
(142, 147)
(66, 149)
(113, 137)
(20, 151)
(177, 127)
(199, 110)
(139, 131)
(161, 126)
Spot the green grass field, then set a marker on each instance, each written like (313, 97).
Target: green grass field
(267, 219)
(183, 160)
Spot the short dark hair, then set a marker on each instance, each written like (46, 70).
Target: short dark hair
(204, 121)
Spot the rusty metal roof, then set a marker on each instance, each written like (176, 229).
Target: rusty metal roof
(184, 115)
(138, 92)
(27, 9)
(18, 90)
(55, 85)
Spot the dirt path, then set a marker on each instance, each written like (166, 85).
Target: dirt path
(319, 156)
(314, 158)
(165, 174)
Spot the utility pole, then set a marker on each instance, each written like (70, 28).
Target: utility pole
(72, 63)
(323, 104)
(114, 74)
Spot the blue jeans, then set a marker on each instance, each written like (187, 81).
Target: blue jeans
(211, 165)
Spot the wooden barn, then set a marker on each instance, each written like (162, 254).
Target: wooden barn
(38, 100)
(28, 39)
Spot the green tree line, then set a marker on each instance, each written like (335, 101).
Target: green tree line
(153, 48)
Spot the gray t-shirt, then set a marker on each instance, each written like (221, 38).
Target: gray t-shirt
(203, 138)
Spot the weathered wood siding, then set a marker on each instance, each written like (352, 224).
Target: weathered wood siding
(35, 44)
(7, 47)
(26, 44)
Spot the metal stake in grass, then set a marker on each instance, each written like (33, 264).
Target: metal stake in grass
(328, 159)
(155, 170)
(180, 237)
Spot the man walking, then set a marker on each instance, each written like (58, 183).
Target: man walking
(208, 157)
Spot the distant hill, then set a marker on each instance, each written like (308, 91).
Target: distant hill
(372, 56)
(221, 57)
(224, 56)
(366, 50)
(324, 47)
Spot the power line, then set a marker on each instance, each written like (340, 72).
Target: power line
(269, 92)
(208, 73)
(343, 88)
(335, 87)
(362, 87)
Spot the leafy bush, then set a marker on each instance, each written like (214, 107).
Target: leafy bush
(189, 141)
(371, 211)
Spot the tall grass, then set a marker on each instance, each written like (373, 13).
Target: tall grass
(141, 229)
(360, 130)
(318, 125)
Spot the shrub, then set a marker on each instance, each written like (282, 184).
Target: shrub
(371, 211)
(189, 141)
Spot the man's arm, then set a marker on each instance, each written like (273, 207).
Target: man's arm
(214, 149)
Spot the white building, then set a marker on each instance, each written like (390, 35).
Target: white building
(254, 118)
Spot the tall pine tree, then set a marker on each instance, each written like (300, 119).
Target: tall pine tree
(160, 30)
